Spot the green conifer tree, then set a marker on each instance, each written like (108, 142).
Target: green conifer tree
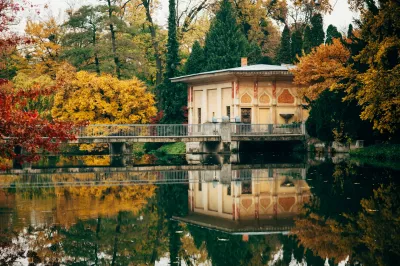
(172, 96)
(297, 44)
(307, 42)
(195, 62)
(350, 31)
(225, 43)
(317, 30)
(332, 33)
(284, 54)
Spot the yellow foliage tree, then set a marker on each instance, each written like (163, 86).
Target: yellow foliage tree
(44, 51)
(101, 99)
(322, 69)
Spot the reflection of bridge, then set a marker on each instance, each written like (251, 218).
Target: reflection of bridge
(111, 176)
(195, 133)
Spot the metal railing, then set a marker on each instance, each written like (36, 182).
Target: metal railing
(182, 130)
(149, 130)
(266, 129)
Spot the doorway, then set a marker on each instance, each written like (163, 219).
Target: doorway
(246, 115)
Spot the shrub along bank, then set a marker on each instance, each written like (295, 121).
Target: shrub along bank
(383, 152)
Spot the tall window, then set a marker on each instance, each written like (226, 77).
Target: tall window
(228, 111)
(199, 115)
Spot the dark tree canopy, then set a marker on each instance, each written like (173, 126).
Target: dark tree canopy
(196, 61)
(172, 96)
(317, 30)
(225, 42)
(350, 31)
(332, 33)
(307, 42)
(297, 44)
(285, 54)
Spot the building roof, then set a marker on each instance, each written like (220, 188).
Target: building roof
(259, 69)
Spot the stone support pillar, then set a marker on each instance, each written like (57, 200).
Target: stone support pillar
(236, 111)
(219, 103)
(190, 105)
(254, 115)
(274, 103)
(204, 106)
(205, 196)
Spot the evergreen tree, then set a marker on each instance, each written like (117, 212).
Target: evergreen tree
(284, 54)
(254, 54)
(332, 33)
(225, 42)
(172, 96)
(350, 31)
(297, 44)
(317, 30)
(195, 62)
(307, 42)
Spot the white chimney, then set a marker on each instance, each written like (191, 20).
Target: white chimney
(244, 61)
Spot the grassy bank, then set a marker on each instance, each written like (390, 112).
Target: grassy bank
(387, 152)
(173, 148)
(139, 149)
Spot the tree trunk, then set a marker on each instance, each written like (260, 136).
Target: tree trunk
(96, 57)
(117, 232)
(146, 4)
(113, 42)
(96, 249)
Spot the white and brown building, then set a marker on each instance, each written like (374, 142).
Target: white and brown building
(256, 94)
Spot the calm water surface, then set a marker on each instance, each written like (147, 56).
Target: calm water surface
(263, 209)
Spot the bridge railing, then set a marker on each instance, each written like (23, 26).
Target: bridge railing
(266, 129)
(148, 130)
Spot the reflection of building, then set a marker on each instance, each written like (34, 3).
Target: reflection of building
(254, 199)
(257, 94)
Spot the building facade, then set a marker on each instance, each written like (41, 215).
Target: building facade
(256, 94)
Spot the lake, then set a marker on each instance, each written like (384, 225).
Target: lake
(240, 209)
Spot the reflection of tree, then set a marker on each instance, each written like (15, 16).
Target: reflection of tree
(379, 222)
(339, 221)
(173, 200)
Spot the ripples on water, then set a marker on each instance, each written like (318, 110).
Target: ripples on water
(263, 209)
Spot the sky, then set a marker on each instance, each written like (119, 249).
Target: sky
(341, 15)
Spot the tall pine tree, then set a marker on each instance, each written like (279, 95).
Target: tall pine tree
(285, 54)
(297, 44)
(172, 96)
(225, 43)
(317, 30)
(307, 42)
(332, 33)
(195, 62)
(350, 31)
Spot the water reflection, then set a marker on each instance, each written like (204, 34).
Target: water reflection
(258, 211)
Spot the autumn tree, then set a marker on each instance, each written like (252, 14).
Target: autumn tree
(43, 52)
(285, 54)
(331, 33)
(20, 128)
(258, 28)
(225, 43)
(367, 71)
(101, 99)
(376, 88)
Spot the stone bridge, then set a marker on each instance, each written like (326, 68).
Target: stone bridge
(223, 136)
(119, 176)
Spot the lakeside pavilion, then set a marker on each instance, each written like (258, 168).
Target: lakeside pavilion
(255, 94)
